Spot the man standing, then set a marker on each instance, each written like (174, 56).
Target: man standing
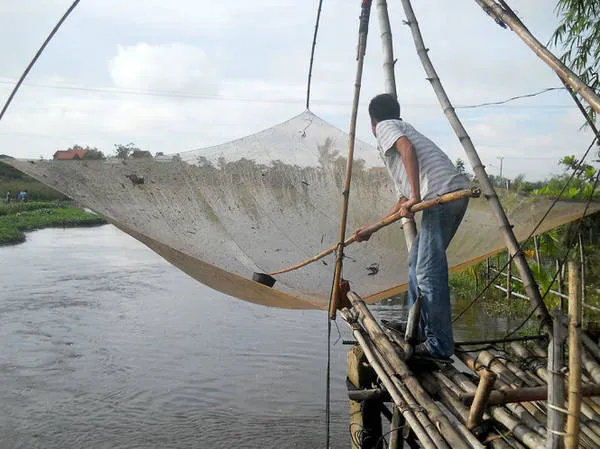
(421, 171)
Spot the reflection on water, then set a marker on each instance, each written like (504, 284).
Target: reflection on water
(103, 344)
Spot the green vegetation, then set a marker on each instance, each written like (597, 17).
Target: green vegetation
(546, 252)
(13, 181)
(578, 36)
(18, 218)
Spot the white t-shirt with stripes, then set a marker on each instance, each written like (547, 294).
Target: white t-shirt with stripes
(437, 174)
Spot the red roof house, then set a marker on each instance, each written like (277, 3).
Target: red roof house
(70, 155)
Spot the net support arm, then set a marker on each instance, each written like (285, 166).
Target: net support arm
(486, 186)
(453, 196)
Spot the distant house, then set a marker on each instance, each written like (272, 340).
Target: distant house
(70, 155)
(139, 154)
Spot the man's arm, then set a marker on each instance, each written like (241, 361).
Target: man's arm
(395, 208)
(411, 165)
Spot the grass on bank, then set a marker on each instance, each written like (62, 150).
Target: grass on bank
(18, 218)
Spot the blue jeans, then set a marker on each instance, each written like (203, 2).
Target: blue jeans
(428, 275)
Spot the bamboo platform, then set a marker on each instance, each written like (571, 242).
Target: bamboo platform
(508, 394)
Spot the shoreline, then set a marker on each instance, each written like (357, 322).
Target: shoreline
(16, 219)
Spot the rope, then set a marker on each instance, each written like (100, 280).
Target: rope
(312, 55)
(37, 55)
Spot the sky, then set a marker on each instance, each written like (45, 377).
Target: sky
(186, 74)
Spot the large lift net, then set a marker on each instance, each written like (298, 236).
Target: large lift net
(272, 200)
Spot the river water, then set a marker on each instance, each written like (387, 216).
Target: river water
(103, 344)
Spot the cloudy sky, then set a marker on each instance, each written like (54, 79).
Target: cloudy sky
(184, 74)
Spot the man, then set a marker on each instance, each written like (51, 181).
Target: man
(422, 171)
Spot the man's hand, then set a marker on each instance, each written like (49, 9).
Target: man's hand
(406, 205)
(364, 236)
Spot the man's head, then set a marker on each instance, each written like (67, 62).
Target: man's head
(384, 107)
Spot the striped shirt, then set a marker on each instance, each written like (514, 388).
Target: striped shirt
(437, 174)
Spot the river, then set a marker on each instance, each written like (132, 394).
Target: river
(106, 345)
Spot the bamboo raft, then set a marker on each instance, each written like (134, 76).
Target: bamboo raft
(514, 393)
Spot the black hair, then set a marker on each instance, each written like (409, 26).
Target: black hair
(384, 107)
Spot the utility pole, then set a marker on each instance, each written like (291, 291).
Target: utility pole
(501, 161)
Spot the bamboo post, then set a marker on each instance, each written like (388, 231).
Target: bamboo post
(409, 382)
(486, 383)
(560, 285)
(572, 436)
(514, 23)
(431, 431)
(556, 387)
(364, 416)
(537, 249)
(390, 386)
(508, 279)
(396, 430)
(485, 360)
(389, 79)
(362, 48)
(582, 269)
(488, 190)
(516, 427)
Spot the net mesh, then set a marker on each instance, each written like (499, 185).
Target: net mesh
(272, 200)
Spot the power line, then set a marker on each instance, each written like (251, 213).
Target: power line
(508, 100)
(201, 96)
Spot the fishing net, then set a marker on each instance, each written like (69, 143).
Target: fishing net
(272, 200)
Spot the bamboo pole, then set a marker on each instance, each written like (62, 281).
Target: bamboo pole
(488, 190)
(448, 197)
(517, 428)
(413, 388)
(556, 387)
(389, 80)
(312, 55)
(554, 292)
(410, 402)
(362, 48)
(507, 379)
(480, 400)
(386, 380)
(526, 394)
(508, 277)
(582, 270)
(591, 429)
(438, 385)
(396, 429)
(514, 23)
(572, 436)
